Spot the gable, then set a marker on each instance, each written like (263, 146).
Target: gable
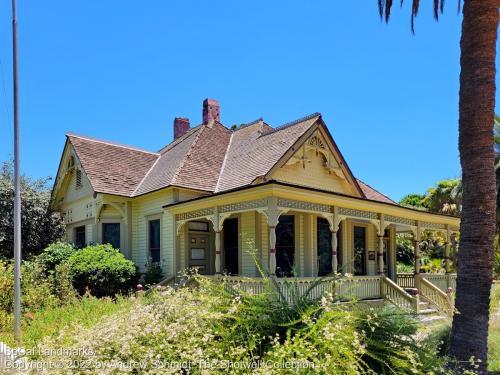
(71, 182)
(316, 163)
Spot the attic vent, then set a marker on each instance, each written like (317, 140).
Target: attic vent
(78, 183)
(71, 162)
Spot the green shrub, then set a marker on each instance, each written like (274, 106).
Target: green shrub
(217, 323)
(101, 270)
(53, 255)
(153, 274)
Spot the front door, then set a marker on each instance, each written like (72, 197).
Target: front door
(199, 252)
(285, 246)
(324, 237)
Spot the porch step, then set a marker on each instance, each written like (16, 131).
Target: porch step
(428, 311)
(429, 319)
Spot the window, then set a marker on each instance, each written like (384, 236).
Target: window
(199, 226)
(359, 250)
(285, 246)
(78, 181)
(80, 240)
(111, 234)
(154, 240)
(231, 246)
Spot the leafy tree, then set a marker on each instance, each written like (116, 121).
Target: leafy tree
(40, 226)
(469, 336)
(413, 201)
(445, 197)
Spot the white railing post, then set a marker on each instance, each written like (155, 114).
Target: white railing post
(218, 261)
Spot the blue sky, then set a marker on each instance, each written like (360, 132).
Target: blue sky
(122, 70)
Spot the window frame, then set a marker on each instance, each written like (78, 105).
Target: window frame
(149, 220)
(365, 255)
(75, 229)
(119, 232)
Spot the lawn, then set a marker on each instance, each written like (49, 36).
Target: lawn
(494, 336)
(50, 322)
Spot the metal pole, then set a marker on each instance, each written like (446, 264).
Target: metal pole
(17, 189)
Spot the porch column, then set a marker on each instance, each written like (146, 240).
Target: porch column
(447, 250)
(334, 252)
(454, 247)
(417, 248)
(380, 254)
(217, 253)
(272, 249)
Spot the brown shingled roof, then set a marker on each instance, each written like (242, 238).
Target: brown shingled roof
(208, 157)
(112, 168)
(373, 194)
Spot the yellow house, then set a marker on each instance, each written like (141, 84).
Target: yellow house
(224, 200)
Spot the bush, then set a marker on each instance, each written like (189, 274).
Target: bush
(153, 274)
(38, 290)
(54, 255)
(101, 270)
(217, 324)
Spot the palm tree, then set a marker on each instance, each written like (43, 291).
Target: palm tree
(445, 197)
(469, 336)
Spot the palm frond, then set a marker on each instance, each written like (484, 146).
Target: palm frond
(388, 5)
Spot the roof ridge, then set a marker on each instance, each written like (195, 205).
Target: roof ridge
(224, 161)
(181, 164)
(179, 140)
(294, 122)
(146, 175)
(70, 134)
(245, 125)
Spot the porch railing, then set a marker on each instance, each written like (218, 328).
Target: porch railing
(435, 296)
(441, 280)
(398, 296)
(357, 287)
(406, 280)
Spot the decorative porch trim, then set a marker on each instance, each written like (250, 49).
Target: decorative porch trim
(400, 220)
(357, 213)
(435, 226)
(303, 206)
(243, 206)
(196, 214)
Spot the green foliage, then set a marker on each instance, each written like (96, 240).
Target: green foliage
(50, 322)
(405, 250)
(404, 268)
(445, 197)
(496, 259)
(54, 255)
(40, 226)
(153, 274)
(413, 201)
(101, 270)
(38, 290)
(217, 324)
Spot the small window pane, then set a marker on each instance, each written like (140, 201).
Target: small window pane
(154, 240)
(80, 240)
(359, 250)
(198, 254)
(111, 234)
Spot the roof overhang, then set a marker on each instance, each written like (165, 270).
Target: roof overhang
(294, 192)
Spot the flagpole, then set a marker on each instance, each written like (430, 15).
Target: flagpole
(17, 188)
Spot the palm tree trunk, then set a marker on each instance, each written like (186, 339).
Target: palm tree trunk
(469, 335)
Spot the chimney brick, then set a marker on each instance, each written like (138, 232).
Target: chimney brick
(211, 110)
(181, 126)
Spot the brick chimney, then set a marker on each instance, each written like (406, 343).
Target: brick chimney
(181, 126)
(211, 110)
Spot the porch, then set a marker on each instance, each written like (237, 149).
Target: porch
(296, 235)
(431, 294)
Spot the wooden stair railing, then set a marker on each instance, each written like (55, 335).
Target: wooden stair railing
(398, 296)
(435, 296)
